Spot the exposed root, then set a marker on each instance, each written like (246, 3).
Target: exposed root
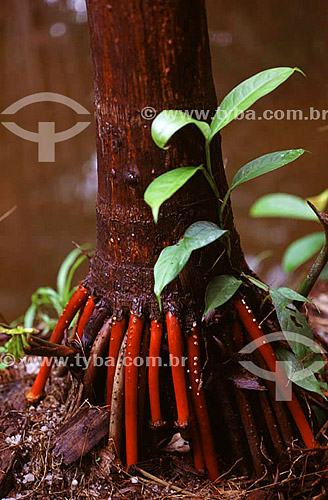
(84, 317)
(126, 384)
(272, 425)
(197, 451)
(156, 334)
(117, 402)
(252, 435)
(99, 314)
(175, 340)
(254, 330)
(237, 335)
(76, 302)
(97, 352)
(117, 333)
(131, 388)
(199, 404)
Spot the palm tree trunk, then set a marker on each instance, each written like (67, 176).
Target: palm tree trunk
(149, 55)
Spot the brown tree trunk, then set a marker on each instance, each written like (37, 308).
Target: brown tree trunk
(150, 54)
(156, 55)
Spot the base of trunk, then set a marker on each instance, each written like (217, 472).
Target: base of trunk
(144, 358)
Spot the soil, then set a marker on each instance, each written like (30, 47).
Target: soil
(30, 468)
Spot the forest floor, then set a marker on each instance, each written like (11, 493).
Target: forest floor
(30, 469)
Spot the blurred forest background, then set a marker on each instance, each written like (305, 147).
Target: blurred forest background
(45, 48)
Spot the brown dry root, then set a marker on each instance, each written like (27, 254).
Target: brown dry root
(266, 423)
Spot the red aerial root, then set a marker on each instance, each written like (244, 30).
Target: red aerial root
(237, 335)
(200, 405)
(266, 351)
(84, 318)
(116, 336)
(199, 462)
(175, 341)
(131, 388)
(75, 303)
(97, 351)
(156, 334)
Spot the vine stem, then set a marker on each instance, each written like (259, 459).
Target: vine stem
(321, 260)
(211, 182)
(210, 179)
(208, 158)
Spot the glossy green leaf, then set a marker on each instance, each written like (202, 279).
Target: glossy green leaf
(164, 186)
(246, 93)
(289, 293)
(302, 250)
(168, 122)
(219, 291)
(282, 205)
(264, 164)
(291, 320)
(293, 368)
(173, 258)
(200, 234)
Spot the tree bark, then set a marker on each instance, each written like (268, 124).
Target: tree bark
(150, 54)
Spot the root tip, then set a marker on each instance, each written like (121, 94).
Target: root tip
(160, 424)
(181, 425)
(31, 397)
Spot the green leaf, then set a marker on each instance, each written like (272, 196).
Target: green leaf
(246, 93)
(70, 276)
(302, 250)
(291, 320)
(30, 316)
(164, 186)
(168, 122)
(264, 164)
(289, 293)
(219, 291)
(173, 258)
(200, 234)
(45, 296)
(282, 205)
(294, 367)
(64, 270)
